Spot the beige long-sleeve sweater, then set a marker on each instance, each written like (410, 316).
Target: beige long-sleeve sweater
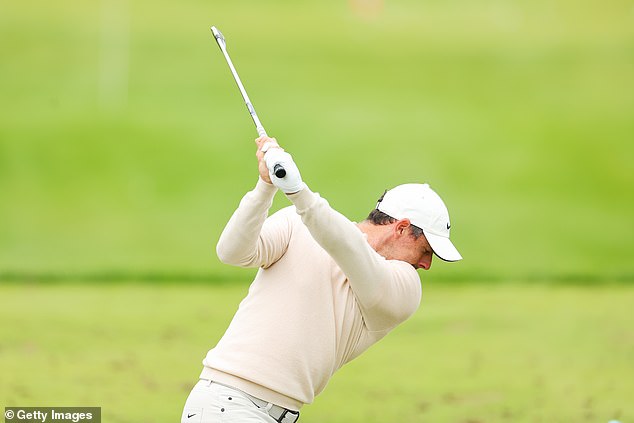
(321, 297)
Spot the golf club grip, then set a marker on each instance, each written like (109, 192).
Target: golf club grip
(279, 171)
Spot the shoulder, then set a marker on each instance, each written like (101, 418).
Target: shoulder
(286, 217)
(405, 276)
(287, 213)
(401, 294)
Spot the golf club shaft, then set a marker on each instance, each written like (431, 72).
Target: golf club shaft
(223, 47)
(278, 169)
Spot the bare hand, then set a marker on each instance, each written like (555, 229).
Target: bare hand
(266, 143)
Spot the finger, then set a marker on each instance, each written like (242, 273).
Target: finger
(261, 140)
(270, 143)
(265, 147)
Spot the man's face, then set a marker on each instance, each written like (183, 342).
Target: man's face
(417, 251)
(405, 247)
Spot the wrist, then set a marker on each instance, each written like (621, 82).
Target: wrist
(298, 190)
(261, 180)
(264, 186)
(303, 199)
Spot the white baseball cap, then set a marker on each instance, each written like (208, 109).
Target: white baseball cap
(425, 209)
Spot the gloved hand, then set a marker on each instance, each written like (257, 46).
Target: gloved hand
(292, 182)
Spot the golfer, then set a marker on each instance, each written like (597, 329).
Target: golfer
(325, 291)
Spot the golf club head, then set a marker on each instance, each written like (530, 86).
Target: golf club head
(220, 39)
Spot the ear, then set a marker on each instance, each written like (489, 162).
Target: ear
(400, 227)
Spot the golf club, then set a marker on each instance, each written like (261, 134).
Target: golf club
(278, 169)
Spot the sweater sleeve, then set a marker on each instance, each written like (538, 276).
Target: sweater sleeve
(388, 291)
(250, 239)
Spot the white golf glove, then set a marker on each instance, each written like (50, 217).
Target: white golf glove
(292, 182)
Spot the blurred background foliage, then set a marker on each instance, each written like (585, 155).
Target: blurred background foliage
(125, 145)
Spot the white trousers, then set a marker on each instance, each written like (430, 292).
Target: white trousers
(213, 403)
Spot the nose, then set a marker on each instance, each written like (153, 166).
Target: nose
(425, 262)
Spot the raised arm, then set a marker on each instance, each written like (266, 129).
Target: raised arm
(250, 239)
(388, 291)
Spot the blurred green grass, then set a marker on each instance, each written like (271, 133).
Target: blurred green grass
(125, 146)
(472, 353)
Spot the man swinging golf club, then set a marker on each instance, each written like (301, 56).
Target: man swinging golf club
(326, 290)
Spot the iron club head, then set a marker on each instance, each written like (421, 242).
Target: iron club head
(220, 39)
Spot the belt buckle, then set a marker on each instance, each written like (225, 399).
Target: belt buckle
(292, 416)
